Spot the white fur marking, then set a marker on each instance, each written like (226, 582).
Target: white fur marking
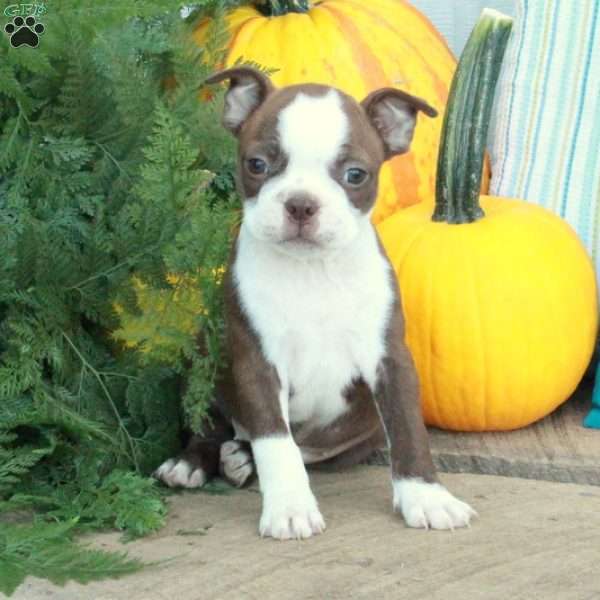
(179, 473)
(428, 505)
(290, 510)
(237, 463)
(313, 128)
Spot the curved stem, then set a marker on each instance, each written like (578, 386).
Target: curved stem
(277, 8)
(467, 118)
(87, 365)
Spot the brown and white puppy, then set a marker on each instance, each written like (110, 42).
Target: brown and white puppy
(319, 372)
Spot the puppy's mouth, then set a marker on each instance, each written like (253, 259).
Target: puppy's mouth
(300, 237)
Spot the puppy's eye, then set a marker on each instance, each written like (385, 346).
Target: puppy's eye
(355, 176)
(256, 166)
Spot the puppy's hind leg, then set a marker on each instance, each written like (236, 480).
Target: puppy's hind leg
(237, 463)
(199, 461)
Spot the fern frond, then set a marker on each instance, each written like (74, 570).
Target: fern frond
(47, 550)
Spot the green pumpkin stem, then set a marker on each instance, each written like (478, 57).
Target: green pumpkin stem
(467, 119)
(277, 8)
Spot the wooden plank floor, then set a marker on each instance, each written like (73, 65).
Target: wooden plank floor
(557, 448)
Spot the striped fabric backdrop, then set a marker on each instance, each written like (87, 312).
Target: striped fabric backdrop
(545, 146)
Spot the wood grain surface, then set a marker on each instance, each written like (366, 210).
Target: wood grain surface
(557, 448)
(533, 540)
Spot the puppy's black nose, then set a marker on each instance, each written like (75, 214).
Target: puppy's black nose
(301, 208)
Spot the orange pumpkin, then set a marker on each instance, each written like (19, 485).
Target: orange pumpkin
(357, 46)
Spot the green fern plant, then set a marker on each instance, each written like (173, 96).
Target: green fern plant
(47, 550)
(109, 180)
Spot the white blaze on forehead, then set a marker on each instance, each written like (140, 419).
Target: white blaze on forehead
(312, 131)
(313, 128)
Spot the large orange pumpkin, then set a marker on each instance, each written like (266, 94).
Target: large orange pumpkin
(357, 46)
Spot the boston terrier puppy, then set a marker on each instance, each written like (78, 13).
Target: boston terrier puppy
(319, 371)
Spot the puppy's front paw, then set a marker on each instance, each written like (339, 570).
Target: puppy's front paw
(428, 505)
(180, 473)
(290, 515)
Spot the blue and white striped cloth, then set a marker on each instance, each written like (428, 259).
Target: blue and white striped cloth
(545, 146)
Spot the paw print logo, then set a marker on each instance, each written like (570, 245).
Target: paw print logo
(24, 32)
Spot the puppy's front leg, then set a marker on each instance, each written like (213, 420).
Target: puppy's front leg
(422, 501)
(290, 510)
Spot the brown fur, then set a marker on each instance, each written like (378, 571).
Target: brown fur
(397, 396)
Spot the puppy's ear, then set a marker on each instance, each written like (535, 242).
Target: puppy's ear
(248, 88)
(393, 113)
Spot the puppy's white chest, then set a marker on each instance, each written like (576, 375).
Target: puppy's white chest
(322, 358)
(321, 323)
